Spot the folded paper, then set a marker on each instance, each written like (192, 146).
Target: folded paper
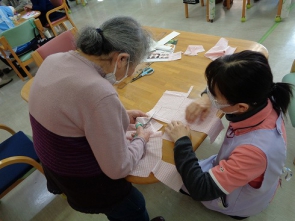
(220, 49)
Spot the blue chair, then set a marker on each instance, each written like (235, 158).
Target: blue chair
(290, 78)
(17, 157)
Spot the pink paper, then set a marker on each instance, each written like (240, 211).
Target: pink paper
(193, 50)
(221, 48)
(167, 174)
(153, 147)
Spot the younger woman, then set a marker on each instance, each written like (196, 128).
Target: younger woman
(242, 178)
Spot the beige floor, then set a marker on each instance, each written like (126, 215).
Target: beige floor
(31, 201)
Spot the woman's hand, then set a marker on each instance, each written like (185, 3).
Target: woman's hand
(199, 108)
(176, 130)
(133, 114)
(140, 132)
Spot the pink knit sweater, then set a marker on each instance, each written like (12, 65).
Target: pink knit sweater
(71, 99)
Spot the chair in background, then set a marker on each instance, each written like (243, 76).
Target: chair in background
(210, 8)
(83, 2)
(61, 43)
(60, 6)
(290, 78)
(17, 36)
(247, 4)
(17, 157)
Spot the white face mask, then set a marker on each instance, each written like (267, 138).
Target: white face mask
(111, 77)
(217, 105)
(229, 112)
(214, 102)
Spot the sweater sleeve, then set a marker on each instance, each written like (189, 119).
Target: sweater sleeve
(105, 132)
(199, 184)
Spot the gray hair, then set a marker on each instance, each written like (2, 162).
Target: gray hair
(122, 34)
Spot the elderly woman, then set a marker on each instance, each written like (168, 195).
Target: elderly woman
(79, 123)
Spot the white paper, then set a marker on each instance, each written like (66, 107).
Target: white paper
(172, 106)
(29, 14)
(167, 38)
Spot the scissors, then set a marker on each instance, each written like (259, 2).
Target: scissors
(145, 124)
(145, 71)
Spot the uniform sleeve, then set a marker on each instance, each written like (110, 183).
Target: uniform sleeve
(199, 184)
(105, 132)
(245, 164)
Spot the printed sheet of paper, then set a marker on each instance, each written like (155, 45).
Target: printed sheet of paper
(171, 107)
(29, 14)
(167, 174)
(221, 48)
(163, 49)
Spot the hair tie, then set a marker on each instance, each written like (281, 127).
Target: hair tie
(274, 87)
(99, 31)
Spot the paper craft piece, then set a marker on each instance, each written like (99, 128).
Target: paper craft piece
(29, 14)
(163, 49)
(151, 157)
(167, 174)
(167, 38)
(160, 55)
(175, 56)
(220, 49)
(171, 107)
(193, 50)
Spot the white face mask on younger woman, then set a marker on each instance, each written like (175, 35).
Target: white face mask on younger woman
(111, 77)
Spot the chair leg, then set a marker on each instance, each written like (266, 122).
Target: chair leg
(64, 26)
(294, 161)
(278, 16)
(186, 10)
(15, 69)
(243, 19)
(210, 11)
(293, 68)
(26, 71)
(202, 3)
(228, 5)
(53, 30)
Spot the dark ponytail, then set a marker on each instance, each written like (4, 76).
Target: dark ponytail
(281, 95)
